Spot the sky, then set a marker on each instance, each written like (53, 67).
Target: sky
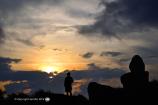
(94, 39)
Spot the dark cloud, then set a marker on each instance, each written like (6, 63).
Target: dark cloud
(15, 87)
(9, 74)
(57, 49)
(98, 74)
(88, 55)
(36, 79)
(10, 10)
(147, 51)
(122, 16)
(2, 35)
(111, 53)
(124, 60)
(150, 54)
(93, 66)
(7, 60)
(5, 65)
(78, 13)
(27, 42)
(8, 5)
(42, 46)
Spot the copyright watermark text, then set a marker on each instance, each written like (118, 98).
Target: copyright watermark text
(46, 99)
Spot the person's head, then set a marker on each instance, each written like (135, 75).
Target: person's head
(137, 65)
(68, 74)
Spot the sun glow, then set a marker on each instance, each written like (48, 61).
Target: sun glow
(48, 69)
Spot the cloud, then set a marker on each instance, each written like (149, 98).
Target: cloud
(6, 83)
(16, 15)
(2, 35)
(5, 64)
(24, 20)
(147, 51)
(42, 46)
(57, 49)
(98, 74)
(92, 66)
(79, 86)
(8, 60)
(8, 6)
(3, 83)
(124, 60)
(27, 42)
(88, 55)
(35, 79)
(150, 54)
(15, 87)
(111, 53)
(123, 16)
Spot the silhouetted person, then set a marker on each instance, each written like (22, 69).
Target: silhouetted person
(138, 77)
(68, 84)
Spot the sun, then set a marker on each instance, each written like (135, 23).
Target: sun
(48, 69)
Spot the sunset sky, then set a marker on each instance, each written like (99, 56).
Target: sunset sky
(78, 35)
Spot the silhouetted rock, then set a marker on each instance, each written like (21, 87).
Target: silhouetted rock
(138, 77)
(102, 94)
(97, 92)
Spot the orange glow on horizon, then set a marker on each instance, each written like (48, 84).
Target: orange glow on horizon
(47, 69)
(47, 61)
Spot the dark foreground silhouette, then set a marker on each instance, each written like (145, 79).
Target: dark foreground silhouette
(98, 95)
(138, 77)
(136, 87)
(42, 97)
(101, 94)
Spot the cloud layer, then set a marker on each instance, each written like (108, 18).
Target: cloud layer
(123, 16)
(88, 55)
(110, 53)
(23, 17)
(2, 35)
